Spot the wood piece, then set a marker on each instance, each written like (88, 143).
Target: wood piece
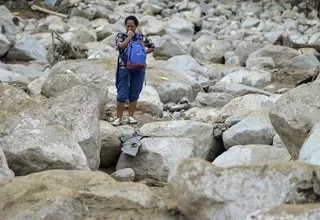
(38, 8)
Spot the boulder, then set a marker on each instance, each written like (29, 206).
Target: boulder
(35, 86)
(245, 48)
(180, 29)
(256, 128)
(281, 55)
(294, 114)
(60, 194)
(167, 47)
(207, 115)
(213, 99)
(157, 156)
(247, 77)
(32, 143)
(124, 175)
(27, 48)
(77, 109)
(247, 104)
(201, 134)
(204, 191)
(251, 155)
(11, 77)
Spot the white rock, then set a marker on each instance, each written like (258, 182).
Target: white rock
(36, 85)
(9, 77)
(251, 155)
(250, 22)
(213, 99)
(247, 77)
(167, 47)
(247, 104)
(245, 48)
(79, 23)
(154, 27)
(182, 62)
(256, 128)
(207, 115)
(27, 71)
(173, 92)
(309, 152)
(315, 39)
(180, 29)
(124, 175)
(157, 156)
(201, 134)
(27, 48)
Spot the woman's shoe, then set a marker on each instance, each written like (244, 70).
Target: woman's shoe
(132, 120)
(116, 122)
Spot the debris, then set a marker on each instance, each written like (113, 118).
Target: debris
(38, 8)
(131, 145)
(64, 50)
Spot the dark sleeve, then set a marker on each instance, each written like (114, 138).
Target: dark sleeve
(147, 42)
(119, 39)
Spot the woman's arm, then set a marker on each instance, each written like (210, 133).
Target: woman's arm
(130, 35)
(123, 40)
(148, 43)
(150, 50)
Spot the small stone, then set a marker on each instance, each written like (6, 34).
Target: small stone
(124, 175)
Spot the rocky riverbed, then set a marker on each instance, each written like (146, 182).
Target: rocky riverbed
(225, 132)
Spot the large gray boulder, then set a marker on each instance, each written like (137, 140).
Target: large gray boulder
(28, 48)
(256, 128)
(77, 109)
(204, 191)
(33, 143)
(294, 114)
(60, 194)
(157, 157)
(281, 55)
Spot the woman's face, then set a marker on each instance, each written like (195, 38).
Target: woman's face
(130, 25)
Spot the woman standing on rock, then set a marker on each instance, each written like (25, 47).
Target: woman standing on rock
(131, 68)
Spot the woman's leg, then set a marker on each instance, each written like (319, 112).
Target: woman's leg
(136, 84)
(122, 84)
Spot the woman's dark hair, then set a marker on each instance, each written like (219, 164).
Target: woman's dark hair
(132, 18)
